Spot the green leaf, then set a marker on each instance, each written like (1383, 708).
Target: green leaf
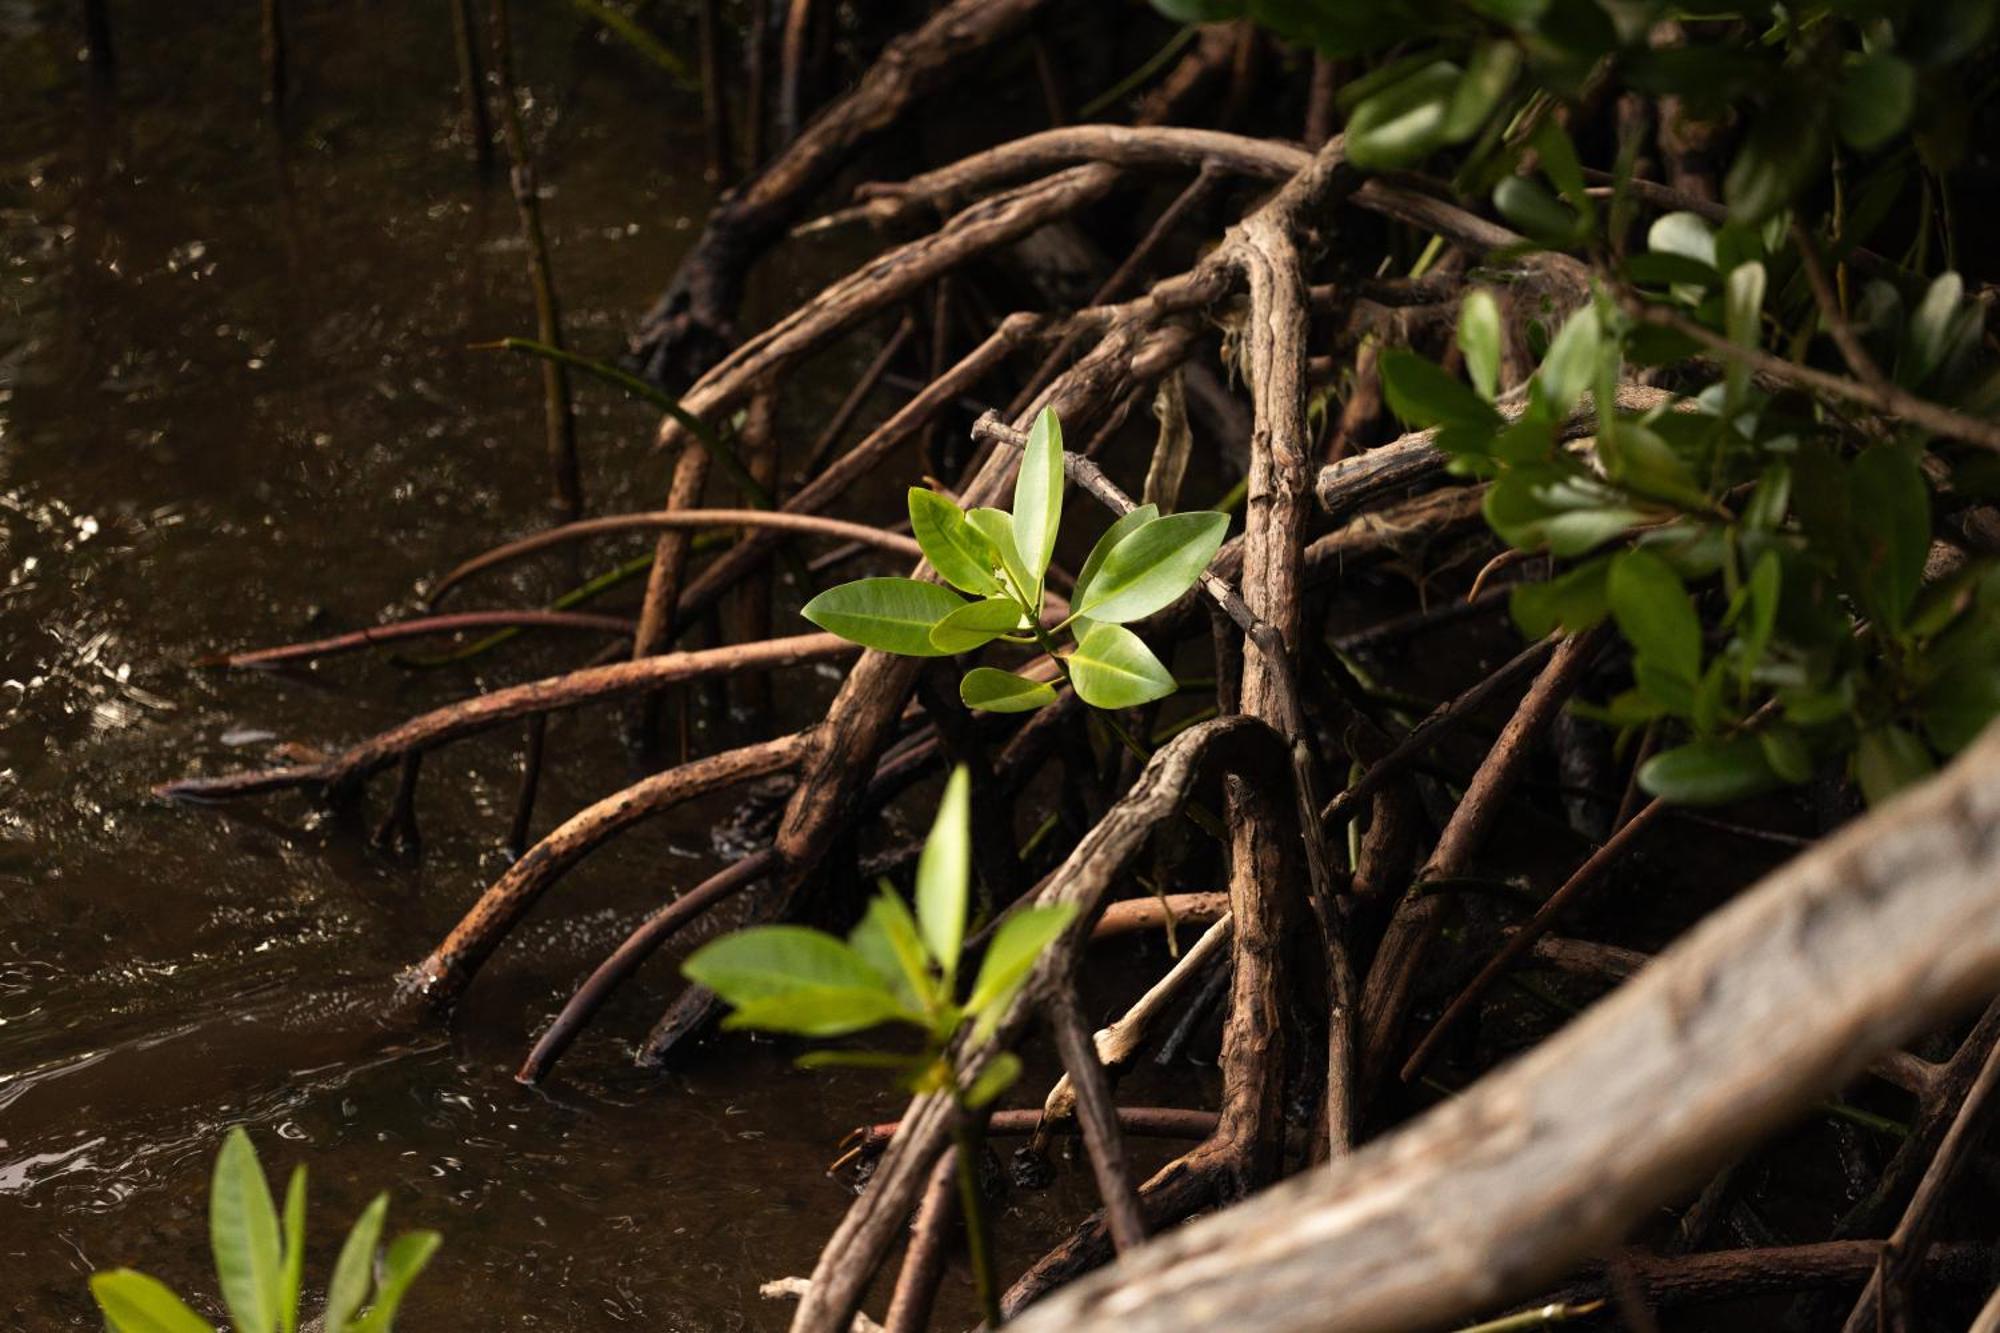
(1785, 751)
(1399, 125)
(1930, 326)
(1742, 307)
(1572, 361)
(132, 1302)
(791, 979)
(1572, 602)
(998, 1076)
(893, 615)
(1876, 99)
(1038, 490)
(1889, 759)
(1891, 514)
(1111, 668)
(888, 940)
(1532, 506)
(1011, 957)
(1539, 214)
(994, 691)
(960, 555)
(944, 874)
(975, 624)
(1708, 772)
(243, 1232)
(1128, 523)
(1959, 703)
(1761, 594)
(1655, 614)
(1152, 565)
(997, 526)
(1487, 79)
(1687, 235)
(295, 1252)
(1479, 340)
(353, 1271)
(405, 1259)
(1421, 394)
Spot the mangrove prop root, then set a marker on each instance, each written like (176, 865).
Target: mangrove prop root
(1884, 928)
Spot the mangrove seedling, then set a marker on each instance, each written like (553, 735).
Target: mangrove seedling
(261, 1268)
(1142, 563)
(898, 967)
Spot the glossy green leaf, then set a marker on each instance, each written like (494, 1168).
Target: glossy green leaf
(1532, 507)
(944, 874)
(961, 556)
(1876, 99)
(1709, 772)
(1000, 1074)
(1571, 363)
(1128, 523)
(791, 979)
(1931, 327)
(292, 1279)
(354, 1270)
(1152, 565)
(1479, 339)
(1011, 956)
(243, 1232)
(1888, 760)
(893, 615)
(1038, 492)
(132, 1302)
(1112, 668)
(975, 624)
(401, 1264)
(1419, 391)
(997, 526)
(1655, 613)
(993, 691)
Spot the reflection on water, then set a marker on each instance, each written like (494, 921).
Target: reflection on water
(236, 406)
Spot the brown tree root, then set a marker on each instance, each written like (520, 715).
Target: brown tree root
(1882, 929)
(421, 627)
(690, 325)
(339, 776)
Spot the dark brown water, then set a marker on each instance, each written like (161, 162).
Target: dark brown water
(237, 407)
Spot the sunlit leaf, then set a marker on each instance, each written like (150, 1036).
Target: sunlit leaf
(961, 556)
(974, 624)
(1419, 391)
(1016, 945)
(243, 1232)
(1479, 339)
(999, 1075)
(1038, 491)
(997, 526)
(893, 615)
(944, 874)
(1151, 566)
(994, 691)
(1572, 360)
(401, 1263)
(887, 938)
(1571, 602)
(1112, 668)
(1401, 124)
(791, 979)
(132, 1302)
(1128, 522)
(293, 1274)
(354, 1270)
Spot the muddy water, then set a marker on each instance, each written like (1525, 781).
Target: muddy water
(237, 406)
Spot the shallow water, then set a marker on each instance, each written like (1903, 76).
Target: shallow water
(237, 406)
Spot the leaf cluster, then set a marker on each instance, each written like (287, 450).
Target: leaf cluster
(895, 967)
(1143, 562)
(261, 1266)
